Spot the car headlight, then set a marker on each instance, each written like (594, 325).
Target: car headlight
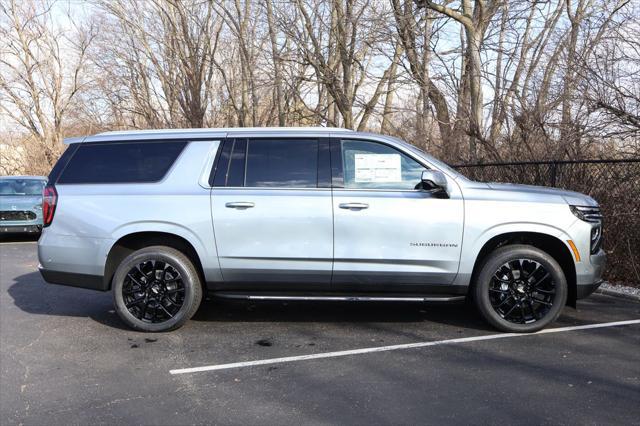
(587, 213)
(591, 215)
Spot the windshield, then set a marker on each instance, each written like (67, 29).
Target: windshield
(21, 187)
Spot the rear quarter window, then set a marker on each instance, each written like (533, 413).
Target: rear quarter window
(121, 162)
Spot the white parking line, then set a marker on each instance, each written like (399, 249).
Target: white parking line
(394, 347)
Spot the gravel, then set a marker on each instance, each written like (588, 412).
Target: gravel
(620, 290)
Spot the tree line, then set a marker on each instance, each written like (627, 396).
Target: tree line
(467, 80)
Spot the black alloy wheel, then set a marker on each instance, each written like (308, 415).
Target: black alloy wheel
(156, 288)
(522, 291)
(153, 291)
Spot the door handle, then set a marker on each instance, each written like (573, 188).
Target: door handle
(240, 205)
(354, 206)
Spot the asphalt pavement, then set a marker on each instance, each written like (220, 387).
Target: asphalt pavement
(66, 359)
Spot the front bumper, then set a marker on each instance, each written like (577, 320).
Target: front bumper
(589, 275)
(586, 290)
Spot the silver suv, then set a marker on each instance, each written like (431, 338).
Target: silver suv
(162, 217)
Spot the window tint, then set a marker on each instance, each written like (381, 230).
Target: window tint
(285, 163)
(371, 165)
(62, 162)
(222, 165)
(235, 176)
(121, 162)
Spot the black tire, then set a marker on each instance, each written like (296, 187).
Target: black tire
(159, 278)
(518, 278)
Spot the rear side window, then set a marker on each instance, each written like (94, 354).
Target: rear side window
(284, 163)
(118, 162)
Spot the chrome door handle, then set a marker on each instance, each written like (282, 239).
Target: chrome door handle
(354, 206)
(241, 205)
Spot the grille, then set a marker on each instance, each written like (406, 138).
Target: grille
(17, 215)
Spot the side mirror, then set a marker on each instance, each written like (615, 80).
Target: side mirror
(434, 179)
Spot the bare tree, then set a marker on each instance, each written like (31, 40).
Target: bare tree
(41, 71)
(335, 39)
(161, 54)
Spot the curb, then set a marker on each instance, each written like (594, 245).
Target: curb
(619, 294)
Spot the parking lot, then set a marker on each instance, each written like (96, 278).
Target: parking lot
(67, 359)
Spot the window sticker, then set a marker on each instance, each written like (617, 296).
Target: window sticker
(378, 168)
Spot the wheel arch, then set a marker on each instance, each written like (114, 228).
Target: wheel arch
(545, 242)
(129, 243)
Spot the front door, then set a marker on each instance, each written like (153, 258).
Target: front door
(272, 215)
(390, 236)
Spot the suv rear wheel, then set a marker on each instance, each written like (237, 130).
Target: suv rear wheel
(156, 288)
(520, 289)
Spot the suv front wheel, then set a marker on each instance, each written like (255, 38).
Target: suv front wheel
(520, 289)
(156, 289)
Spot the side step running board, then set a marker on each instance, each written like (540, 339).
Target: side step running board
(342, 298)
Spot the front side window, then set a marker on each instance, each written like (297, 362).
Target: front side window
(282, 163)
(371, 165)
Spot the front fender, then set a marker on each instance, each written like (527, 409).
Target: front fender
(474, 241)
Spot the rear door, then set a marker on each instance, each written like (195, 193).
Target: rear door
(390, 236)
(272, 214)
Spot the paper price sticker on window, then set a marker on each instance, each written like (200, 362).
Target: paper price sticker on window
(378, 168)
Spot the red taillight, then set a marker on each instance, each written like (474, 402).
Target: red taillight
(49, 200)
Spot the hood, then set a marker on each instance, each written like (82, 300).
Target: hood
(571, 197)
(19, 202)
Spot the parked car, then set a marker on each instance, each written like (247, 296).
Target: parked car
(160, 217)
(21, 204)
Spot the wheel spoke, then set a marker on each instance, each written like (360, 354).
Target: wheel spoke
(532, 274)
(510, 310)
(541, 280)
(135, 281)
(542, 302)
(501, 279)
(166, 311)
(533, 311)
(524, 316)
(135, 302)
(504, 301)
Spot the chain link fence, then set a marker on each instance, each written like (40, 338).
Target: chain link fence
(615, 184)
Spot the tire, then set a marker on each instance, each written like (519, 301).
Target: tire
(520, 289)
(156, 289)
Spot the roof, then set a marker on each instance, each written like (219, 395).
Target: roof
(207, 133)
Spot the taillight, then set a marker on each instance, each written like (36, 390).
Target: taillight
(49, 201)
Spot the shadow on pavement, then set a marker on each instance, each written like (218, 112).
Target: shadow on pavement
(31, 294)
(458, 314)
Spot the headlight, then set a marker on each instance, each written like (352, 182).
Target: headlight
(588, 214)
(591, 215)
